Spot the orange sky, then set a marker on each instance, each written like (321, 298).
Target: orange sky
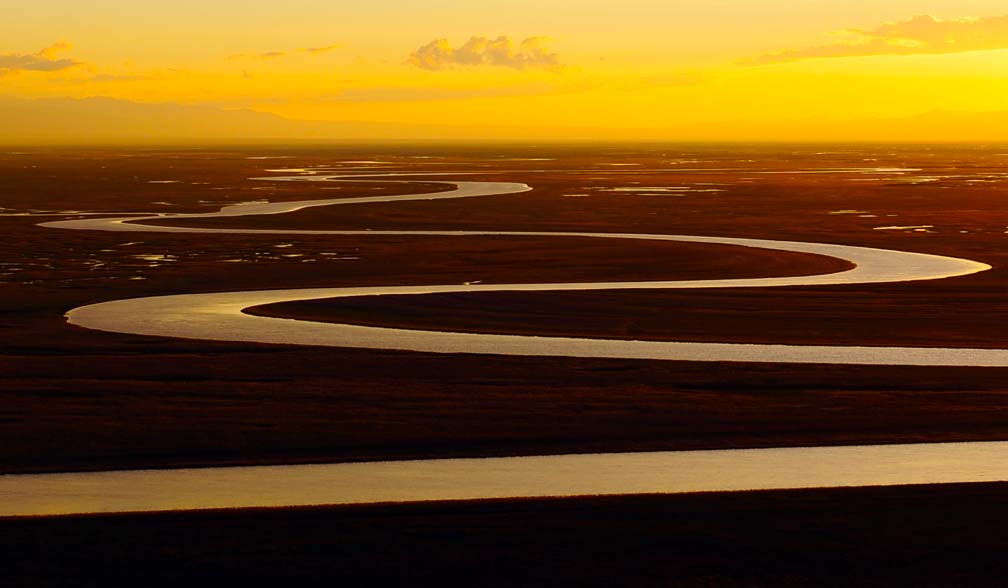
(617, 67)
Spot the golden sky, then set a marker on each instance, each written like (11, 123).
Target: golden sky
(617, 66)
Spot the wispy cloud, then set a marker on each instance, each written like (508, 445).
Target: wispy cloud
(529, 54)
(259, 56)
(321, 50)
(922, 34)
(268, 55)
(46, 60)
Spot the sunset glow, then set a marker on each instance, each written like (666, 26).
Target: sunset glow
(504, 293)
(640, 69)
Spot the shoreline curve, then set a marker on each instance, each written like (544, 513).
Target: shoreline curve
(221, 316)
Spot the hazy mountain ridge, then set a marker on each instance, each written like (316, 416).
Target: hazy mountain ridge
(106, 119)
(101, 120)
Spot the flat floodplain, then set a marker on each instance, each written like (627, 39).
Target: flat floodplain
(76, 399)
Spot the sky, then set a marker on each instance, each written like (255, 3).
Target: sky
(617, 69)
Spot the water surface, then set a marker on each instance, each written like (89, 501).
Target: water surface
(507, 477)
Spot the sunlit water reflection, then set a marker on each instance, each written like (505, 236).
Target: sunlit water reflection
(508, 477)
(207, 316)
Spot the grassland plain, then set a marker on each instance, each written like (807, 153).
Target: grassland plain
(73, 399)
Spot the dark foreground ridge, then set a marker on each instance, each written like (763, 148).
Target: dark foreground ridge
(899, 536)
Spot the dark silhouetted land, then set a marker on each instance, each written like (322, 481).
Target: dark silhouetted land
(73, 399)
(902, 536)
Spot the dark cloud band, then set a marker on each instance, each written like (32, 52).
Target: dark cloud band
(45, 60)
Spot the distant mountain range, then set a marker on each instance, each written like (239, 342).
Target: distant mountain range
(96, 120)
(108, 120)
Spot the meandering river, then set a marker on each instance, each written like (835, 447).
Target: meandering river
(220, 316)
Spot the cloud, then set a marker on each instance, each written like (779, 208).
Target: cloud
(55, 49)
(277, 54)
(259, 56)
(46, 60)
(529, 54)
(320, 50)
(922, 34)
